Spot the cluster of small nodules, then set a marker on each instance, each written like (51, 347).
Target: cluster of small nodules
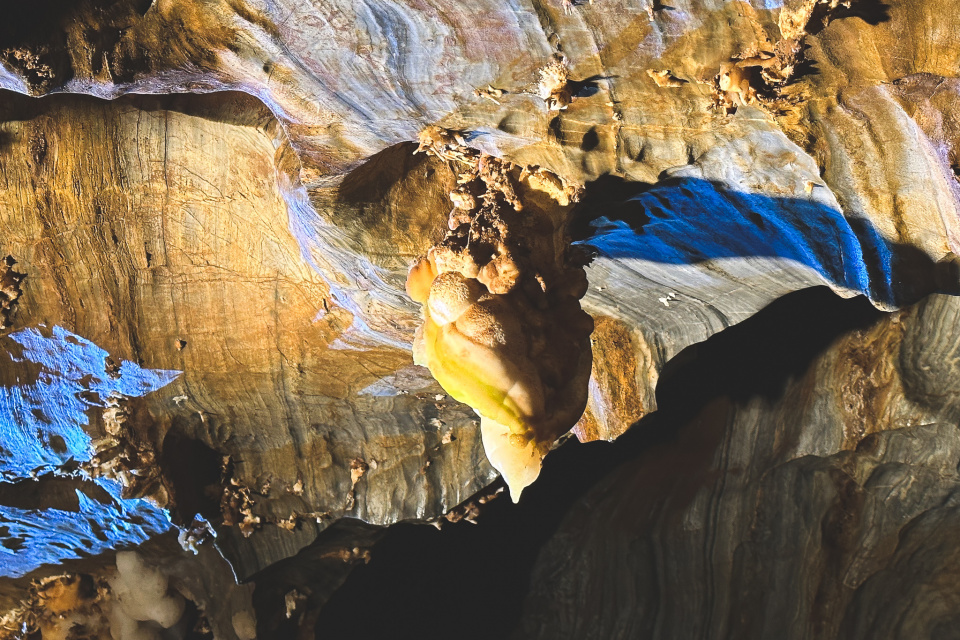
(536, 339)
(520, 359)
(554, 86)
(118, 456)
(236, 502)
(57, 608)
(9, 290)
(136, 603)
(142, 601)
(503, 330)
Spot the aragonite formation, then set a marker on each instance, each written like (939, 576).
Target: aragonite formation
(502, 329)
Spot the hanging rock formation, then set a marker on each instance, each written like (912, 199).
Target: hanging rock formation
(503, 330)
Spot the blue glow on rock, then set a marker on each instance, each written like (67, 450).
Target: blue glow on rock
(690, 220)
(60, 377)
(30, 538)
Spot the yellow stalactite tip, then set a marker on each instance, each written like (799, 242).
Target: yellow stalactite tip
(519, 465)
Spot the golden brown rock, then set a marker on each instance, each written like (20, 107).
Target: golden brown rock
(255, 240)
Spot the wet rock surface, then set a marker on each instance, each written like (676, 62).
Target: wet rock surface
(208, 213)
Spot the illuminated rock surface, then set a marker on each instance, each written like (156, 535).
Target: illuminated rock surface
(503, 331)
(208, 213)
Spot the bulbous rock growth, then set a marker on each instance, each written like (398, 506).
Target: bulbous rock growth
(502, 329)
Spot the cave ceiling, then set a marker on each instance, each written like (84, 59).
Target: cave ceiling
(281, 282)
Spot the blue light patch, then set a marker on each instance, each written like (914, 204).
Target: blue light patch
(42, 420)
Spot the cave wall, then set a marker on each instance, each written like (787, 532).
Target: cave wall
(218, 201)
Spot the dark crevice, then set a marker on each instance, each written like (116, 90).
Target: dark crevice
(34, 35)
(314, 573)
(50, 492)
(193, 469)
(873, 12)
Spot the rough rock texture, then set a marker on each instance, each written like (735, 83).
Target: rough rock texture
(503, 330)
(154, 590)
(826, 509)
(161, 257)
(202, 305)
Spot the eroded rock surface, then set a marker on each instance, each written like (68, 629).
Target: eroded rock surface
(765, 510)
(164, 258)
(233, 250)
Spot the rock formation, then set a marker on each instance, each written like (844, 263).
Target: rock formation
(503, 330)
(714, 240)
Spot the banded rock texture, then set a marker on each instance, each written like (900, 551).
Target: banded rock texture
(219, 199)
(163, 289)
(819, 505)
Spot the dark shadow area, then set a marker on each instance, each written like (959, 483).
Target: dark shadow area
(873, 12)
(759, 356)
(683, 220)
(191, 625)
(33, 41)
(34, 35)
(804, 66)
(314, 573)
(610, 196)
(229, 107)
(50, 492)
(469, 581)
(371, 181)
(6, 140)
(392, 205)
(590, 141)
(555, 130)
(193, 469)
(588, 86)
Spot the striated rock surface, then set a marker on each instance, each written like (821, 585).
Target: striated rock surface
(194, 268)
(208, 212)
(827, 508)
